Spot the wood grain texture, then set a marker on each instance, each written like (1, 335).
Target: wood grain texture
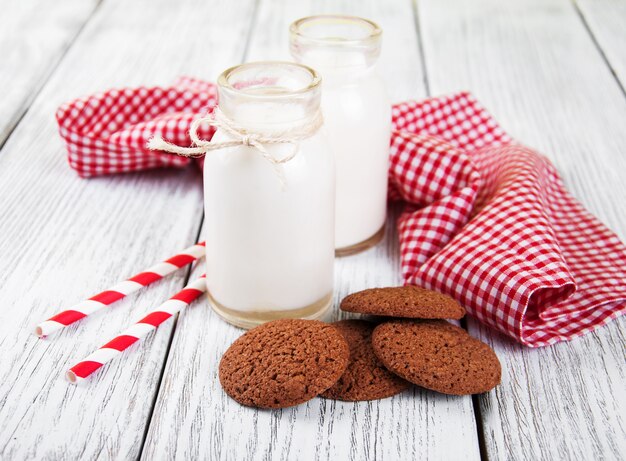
(532, 63)
(194, 419)
(606, 20)
(34, 35)
(535, 67)
(561, 402)
(64, 238)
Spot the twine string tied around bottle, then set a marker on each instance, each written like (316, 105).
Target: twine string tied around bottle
(241, 136)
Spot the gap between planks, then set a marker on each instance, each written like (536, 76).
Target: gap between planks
(39, 85)
(189, 270)
(598, 46)
(480, 431)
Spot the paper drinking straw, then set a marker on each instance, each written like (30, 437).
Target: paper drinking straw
(108, 297)
(136, 332)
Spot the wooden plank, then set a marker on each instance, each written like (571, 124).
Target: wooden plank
(606, 20)
(561, 402)
(194, 419)
(64, 238)
(34, 35)
(533, 64)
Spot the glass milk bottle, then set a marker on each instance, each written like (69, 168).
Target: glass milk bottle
(269, 227)
(357, 115)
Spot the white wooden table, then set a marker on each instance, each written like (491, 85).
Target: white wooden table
(553, 72)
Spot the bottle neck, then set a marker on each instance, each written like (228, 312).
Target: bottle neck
(339, 67)
(269, 96)
(268, 116)
(341, 48)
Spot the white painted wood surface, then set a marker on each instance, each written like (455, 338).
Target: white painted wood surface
(64, 238)
(34, 35)
(533, 63)
(606, 20)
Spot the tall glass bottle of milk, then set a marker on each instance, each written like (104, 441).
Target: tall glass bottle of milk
(269, 226)
(357, 114)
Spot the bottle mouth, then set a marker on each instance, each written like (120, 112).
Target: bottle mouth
(269, 79)
(269, 93)
(336, 31)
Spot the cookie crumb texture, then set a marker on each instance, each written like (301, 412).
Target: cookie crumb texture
(283, 363)
(365, 378)
(409, 302)
(437, 355)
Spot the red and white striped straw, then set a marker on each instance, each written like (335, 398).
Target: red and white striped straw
(136, 332)
(119, 291)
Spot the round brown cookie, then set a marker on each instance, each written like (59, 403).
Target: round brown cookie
(365, 378)
(437, 355)
(409, 301)
(283, 363)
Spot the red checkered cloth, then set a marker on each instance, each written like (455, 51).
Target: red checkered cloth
(486, 220)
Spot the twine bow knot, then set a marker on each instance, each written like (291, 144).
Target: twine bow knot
(241, 137)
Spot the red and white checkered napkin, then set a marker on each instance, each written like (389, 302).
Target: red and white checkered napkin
(487, 221)
(107, 132)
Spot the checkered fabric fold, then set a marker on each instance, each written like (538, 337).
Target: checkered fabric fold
(486, 220)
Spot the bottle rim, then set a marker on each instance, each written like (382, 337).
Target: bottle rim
(224, 81)
(298, 28)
